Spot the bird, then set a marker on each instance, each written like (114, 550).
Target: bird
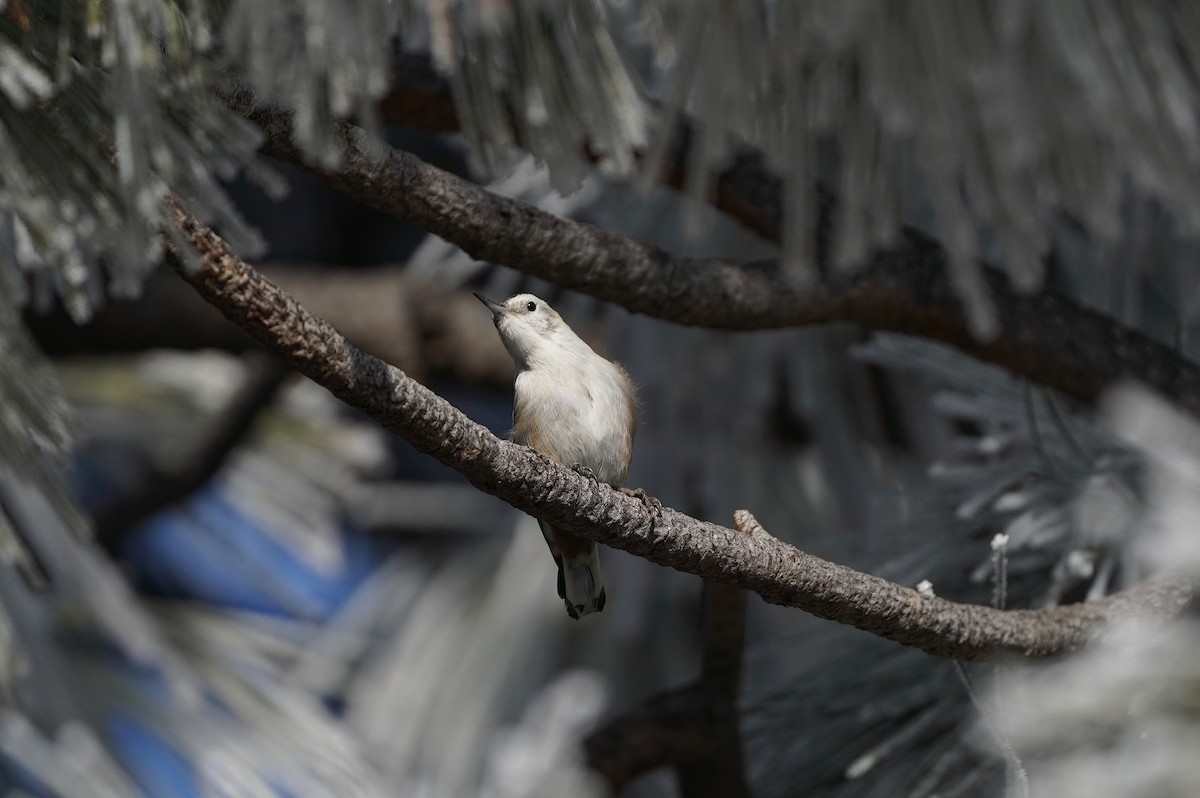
(575, 407)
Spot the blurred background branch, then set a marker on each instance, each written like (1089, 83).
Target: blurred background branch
(159, 488)
(693, 729)
(426, 329)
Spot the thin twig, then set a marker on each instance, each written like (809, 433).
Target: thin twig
(1061, 424)
(1016, 769)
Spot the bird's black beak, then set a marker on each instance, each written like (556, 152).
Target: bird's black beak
(496, 308)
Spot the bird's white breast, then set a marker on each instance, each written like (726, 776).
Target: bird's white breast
(579, 410)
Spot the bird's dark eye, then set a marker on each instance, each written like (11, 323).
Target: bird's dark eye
(531, 306)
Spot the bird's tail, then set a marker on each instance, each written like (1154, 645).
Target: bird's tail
(580, 580)
(581, 583)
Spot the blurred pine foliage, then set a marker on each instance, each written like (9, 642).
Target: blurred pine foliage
(288, 652)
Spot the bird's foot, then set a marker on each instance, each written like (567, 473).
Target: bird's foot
(652, 504)
(584, 471)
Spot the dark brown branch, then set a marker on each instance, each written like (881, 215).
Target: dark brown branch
(659, 733)
(716, 767)
(423, 328)
(1045, 337)
(419, 97)
(693, 729)
(724, 637)
(747, 191)
(160, 488)
(780, 573)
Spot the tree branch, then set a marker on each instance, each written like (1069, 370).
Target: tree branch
(423, 328)
(419, 97)
(780, 573)
(159, 488)
(657, 734)
(1045, 337)
(716, 767)
(693, 729)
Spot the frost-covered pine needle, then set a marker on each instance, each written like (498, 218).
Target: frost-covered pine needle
(1000, 571)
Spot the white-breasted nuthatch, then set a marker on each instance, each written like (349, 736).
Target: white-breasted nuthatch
(578, 409)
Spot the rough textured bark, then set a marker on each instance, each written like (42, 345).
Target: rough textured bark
(780, 573)
(1045, 336)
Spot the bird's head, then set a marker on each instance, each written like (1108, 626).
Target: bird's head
(530, 329)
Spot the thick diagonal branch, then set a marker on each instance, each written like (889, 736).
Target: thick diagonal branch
(780, 573)
(1045, 336)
